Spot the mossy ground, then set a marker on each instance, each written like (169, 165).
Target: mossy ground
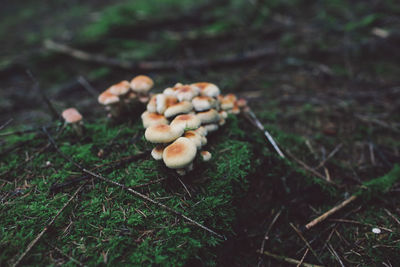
(331, 83)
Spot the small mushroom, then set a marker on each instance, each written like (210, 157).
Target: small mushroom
(157, 152)
(179, 154)
(228, 101)
(178, 108)
(120, 88)
(212, 127)
(162, 133)
(150, 119)
(205, 155)
(186, 92)
(195, 137)
(111, 102)
(207, 89)
(141, 84)
(210, 116)
(186, 121)
(73, 118)
(202, 103)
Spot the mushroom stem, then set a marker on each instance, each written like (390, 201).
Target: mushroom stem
(78, 128)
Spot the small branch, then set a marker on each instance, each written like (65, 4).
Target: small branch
(330, 212)
(305, 241)
(302, 258)
(130, 190)
(6, 124)
(159, 65)
(252, 117)
(288, 260)
(266, 237)
(334, 151)
(33, 243)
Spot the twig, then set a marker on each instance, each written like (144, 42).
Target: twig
(302, 258)
(32, 244)
(149, 183)
(6, 123)
(305, 241)
(356, 222)
(269, 229)
(308, 168)
(66, 255)
(391, 215)
(288, 260)
(85, 84)
(335, 255)
(130, 190)
(334, 151)
(159, 65)
(261, 127)
(330, 212)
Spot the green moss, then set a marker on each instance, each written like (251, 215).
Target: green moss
(381, 185)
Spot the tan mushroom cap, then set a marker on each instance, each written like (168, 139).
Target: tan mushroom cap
(205, 155)
(202, 131)
(150, 119)
(207, 89)
(195, 137)
(120, 88)
(162, 133)
(164, 101)
(180, 153)
(228, 101)
(241, 102)
(152, 106)
(186, 121)
(107, 98)
(178, 108)
(157, 152)
(71, 115)
(186, 92)
(202, 103)
(141, 84)
(212, 127)
(223, 114)
(210, 116)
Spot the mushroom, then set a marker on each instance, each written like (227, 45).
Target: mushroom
(202, 103)
(186, 121)
(141, 84)
(205, 155)
(228, 101)
(195, 137)
(178, 108)
(180, 153)
(210, 116)
(150, 119)
(207, 89)
(186, 92)
(157, 152)
(162, 133)
(74, 118)
(212, 127)
(111, 102)
(120, 88)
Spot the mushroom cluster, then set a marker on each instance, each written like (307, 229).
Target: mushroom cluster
(178, 121)
(123, 96)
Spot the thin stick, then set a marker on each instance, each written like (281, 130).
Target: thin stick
(130, 190)
(269, 229)
(159, 65)
(288, 260)
(335, 255)
(261, 127)
(302, 258)
(6, 123)
(356, 222)
(149, 183)
(34, 241)
(330, 212)
(391, 215)
(305, 241)
(334, 151)
(85, 84)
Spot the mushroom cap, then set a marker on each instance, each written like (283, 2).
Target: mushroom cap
(186, 121)
(178, 108)
(205, 155)
(201, 103)
(210, 116)
(107, 98)
(241, 102)
(207, 89)
(157, 152)
(195, 137)
(141, 84)
(152, 106)
(186, 92)
(71, 115)
(161, 103)
(223, 114)
(150, 119)
(120, 88)
(180, 153)
(202, 131)
(162, 133)
(228, 101)
(212, 127)
(235, 109)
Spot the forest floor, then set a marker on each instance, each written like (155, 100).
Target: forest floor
(322, 76)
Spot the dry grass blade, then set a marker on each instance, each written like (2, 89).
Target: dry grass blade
(288, 260)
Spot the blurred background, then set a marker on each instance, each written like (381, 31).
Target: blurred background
(325, 70)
